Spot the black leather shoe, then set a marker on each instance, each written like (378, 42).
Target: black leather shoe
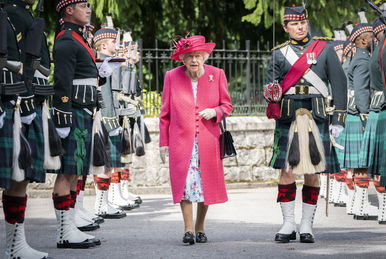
(365, 217)
(96, 241)
(90, 227)
(81, 245)
(98, 220)
(285, 238)
(201, 237)
(138, 200)
(306, 238)
(117, 215)
(188, 238)
(130, 207)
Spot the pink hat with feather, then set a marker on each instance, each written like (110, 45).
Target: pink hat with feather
(190, 44)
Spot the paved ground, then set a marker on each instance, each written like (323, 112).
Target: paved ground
(242, 228)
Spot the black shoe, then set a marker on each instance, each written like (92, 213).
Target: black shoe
(365, 217)
(285, 238)
(81, 245)
(382, 222)
(138, 200)
(130, 207)
(341, 204)
(201, 237)
(306, 238)
(117, 215)
(98, 220)
(90, 227)
(96, 241)
(188, 238)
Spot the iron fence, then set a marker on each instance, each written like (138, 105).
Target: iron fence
(245, 70)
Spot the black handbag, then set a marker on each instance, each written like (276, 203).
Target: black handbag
(227, 149)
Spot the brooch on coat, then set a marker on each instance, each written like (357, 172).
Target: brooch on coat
(211, 78)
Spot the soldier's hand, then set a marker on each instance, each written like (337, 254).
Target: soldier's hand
(335, 130)
(2, 116)
(163, 152)
(63, 132)
(28, 119)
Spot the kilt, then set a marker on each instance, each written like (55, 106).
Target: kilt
(351, 139)
(115, 150)
(35, 137)
(281, 143)
(367, 155)
(6, 148)
(77, 145)
(380, 167)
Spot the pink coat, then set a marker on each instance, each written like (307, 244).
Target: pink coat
(180, 123)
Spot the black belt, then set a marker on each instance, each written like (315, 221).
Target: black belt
(13, 89)
(44, 89)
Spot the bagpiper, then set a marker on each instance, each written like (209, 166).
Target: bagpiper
(75, 113)
(358, 107)
(26, 109)
(298, 95)
(369, 156)
(106, 182)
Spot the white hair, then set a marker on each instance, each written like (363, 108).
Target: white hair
(204, 54)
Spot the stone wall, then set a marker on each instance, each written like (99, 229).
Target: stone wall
(253, 138)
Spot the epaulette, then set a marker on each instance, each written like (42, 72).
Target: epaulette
(280, 45)
(323, 38)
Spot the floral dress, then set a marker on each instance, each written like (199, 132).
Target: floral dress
(193, 185)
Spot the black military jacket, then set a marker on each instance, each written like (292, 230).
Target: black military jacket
(327, 67)
(19, 13)
(72, 61)
(358, 77)
(376, 80)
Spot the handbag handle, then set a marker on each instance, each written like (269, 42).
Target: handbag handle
(223, 128)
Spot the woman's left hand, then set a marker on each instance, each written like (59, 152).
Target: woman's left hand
(208, 114)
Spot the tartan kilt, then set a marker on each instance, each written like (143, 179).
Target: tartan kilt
(35, 137)
(6, 149)
(380, 167)
(75, 150)
(351, 139)
(115, 150)
(367, 158)
(281, 143)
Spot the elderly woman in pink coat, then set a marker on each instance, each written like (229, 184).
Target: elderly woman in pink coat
(194, 101)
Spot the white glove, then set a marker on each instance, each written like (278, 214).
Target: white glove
(115, 132)
(163, 152)
(63, 132)
(335, 130)
(107, 68)
(2, 116)
(208, 114)
(28, 119)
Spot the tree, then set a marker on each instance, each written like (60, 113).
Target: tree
(324, 14)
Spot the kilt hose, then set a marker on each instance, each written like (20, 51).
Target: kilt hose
(351, 138)
(77, 146)
(369, 153)
(6, 148)
(280, 147)
(115, 150)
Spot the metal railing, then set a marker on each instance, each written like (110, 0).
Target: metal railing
(245, 70)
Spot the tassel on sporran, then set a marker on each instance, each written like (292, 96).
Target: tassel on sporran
(305, 148)
(52, 143)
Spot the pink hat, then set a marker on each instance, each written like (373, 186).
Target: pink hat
(190, 44)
